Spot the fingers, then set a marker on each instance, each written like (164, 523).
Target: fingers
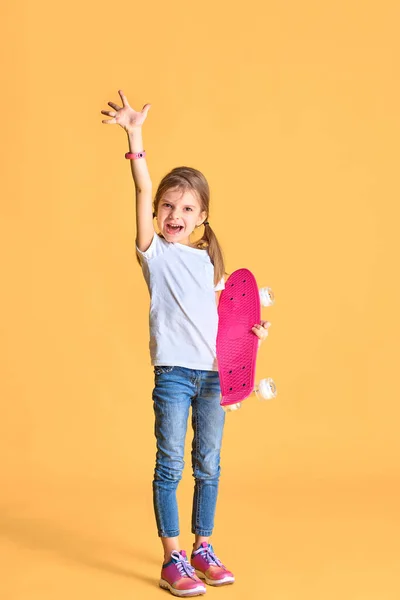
(109, 113)
(123, 98)
(125, 103)
(261, 330)
(262, 325)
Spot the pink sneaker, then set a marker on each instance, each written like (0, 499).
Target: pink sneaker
(209, 567)
(179, 577)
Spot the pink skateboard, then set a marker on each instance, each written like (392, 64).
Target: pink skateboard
(239, 309)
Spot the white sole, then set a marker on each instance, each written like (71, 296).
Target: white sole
(224, 581)
(198, 591)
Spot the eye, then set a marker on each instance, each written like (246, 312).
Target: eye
(191, 209)
(166, 204)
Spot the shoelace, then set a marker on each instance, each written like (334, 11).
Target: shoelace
(208, 554)
(183, 566)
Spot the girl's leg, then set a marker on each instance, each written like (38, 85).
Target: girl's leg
(198, 539)
(169, 544)
(172, 397)
(208, 419)
(208, 423)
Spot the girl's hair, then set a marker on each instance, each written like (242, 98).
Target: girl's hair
(189, 179)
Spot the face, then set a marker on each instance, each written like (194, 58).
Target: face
(178, 214)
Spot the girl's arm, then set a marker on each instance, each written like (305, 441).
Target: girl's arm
(131, 121)
(144, 192)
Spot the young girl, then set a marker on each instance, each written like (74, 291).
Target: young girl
(184, 281)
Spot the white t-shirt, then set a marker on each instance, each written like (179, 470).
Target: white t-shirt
(183, 310)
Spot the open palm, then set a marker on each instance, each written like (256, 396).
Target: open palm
(125, 116)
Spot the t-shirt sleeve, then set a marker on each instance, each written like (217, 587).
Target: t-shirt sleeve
(156, 247)
(220, 285)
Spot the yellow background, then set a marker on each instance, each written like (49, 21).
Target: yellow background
(291, 110)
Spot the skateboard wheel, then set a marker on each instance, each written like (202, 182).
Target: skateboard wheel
(267, 297)
(266, 389)
(231, 407)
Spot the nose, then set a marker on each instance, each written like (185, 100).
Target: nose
(176, 213)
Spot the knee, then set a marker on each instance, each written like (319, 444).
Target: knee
(169, 472)
(207, 470)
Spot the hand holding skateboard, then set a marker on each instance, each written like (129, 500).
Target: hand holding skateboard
(261, 329)
(237, 343)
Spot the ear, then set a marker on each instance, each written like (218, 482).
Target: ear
(202, 217)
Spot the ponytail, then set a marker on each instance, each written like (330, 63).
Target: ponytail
(210, 240)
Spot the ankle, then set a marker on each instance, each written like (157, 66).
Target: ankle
(197, 543)
(169, 545)
(167, 556)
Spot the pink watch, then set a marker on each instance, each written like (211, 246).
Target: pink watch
(135, 155)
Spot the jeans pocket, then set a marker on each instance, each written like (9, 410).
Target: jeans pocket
(158, 370)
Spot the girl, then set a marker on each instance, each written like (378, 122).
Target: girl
(184, 281)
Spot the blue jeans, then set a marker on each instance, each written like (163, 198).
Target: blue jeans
(176, 389)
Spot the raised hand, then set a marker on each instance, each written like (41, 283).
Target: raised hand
(125, 116)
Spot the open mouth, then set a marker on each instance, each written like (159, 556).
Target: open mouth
(174, 229)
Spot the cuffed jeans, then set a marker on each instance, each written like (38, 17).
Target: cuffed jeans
(176, 389)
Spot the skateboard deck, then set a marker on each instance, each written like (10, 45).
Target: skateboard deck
(239, 309)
